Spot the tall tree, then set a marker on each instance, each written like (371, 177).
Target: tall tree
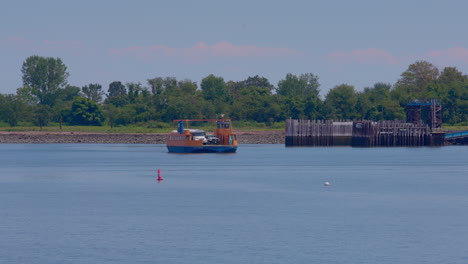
(159, 85)
(135, 90)
(418, 76)
(342, 100)
(255, 103)
(375, 103)
(62, 106)
(117, 94)
(257, 81)
(182, 100)
(234, 88)
(214, 90)
(116, 88)
(300, 95)
(451, 75)
(45, 75)
(156, 85)
(187, 87)
(42, 115)
(305, 85)
(452, 90)
(93, 91)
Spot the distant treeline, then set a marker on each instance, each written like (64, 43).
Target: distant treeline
(47, 97)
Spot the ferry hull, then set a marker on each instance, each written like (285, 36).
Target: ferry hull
(202, 149)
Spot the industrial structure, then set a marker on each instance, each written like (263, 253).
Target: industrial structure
(423, 118)
(425, 112)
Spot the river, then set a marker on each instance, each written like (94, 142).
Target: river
(101, 203)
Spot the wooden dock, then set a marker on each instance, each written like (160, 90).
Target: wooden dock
(360, 133)
(318, 133)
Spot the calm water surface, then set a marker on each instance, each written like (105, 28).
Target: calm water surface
(73, 203)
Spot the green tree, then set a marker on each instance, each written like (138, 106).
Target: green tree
(257, 81)
(156, 85)
(126, 115)
(93, 91)
(159, 85)
(116, 88)
(372, 103)
(26, 94)
(42, 115)
(234, 88)
(417, 77)
(291, 86)
(451, 75)
(182, 101)
(135, 90)
(86, 112)
(450, 89)
(305, 85)
(187, 107)
(214, 90)
(342, 100)
(68, 93)
(117, 94)
(62, 107)
(119, 116)
(300, 96)
(255, 103)
(45, 76)
(12, 109)
(188, 87)
(110, 114)
(294, 107)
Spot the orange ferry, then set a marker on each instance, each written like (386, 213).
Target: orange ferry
(185, 140)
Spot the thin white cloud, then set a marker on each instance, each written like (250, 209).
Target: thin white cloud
(202, 51)
(450, 55)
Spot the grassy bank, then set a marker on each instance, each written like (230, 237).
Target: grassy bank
(161, 128)
(453, 128)
(142, 128)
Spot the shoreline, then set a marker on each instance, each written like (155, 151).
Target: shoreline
(36, 137)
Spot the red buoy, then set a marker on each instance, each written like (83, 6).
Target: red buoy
(160, 178)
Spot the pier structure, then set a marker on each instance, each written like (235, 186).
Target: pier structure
(360, 133)
(427, 112)
(457, 137)
(318, 133)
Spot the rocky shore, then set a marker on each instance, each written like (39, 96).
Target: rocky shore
(244, 137)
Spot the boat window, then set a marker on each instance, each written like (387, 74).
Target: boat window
(223, 125)
(198, 134)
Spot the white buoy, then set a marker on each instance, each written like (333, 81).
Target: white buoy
(326, 184)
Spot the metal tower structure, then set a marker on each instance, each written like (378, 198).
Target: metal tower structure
(428, 112)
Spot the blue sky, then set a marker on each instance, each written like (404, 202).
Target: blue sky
(353, 42)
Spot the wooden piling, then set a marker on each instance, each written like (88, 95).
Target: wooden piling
(360, 133)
